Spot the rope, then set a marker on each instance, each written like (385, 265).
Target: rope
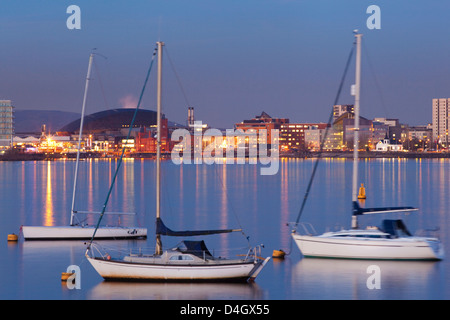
(322, 144)
(230, 203)
(375, 79)
(123, 149)
(177, 77)
(220, 178)
(102, 89)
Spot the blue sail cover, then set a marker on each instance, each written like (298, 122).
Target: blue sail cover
(197, 248)
(161, 229)
(357, 210)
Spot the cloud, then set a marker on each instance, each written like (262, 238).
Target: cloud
(129, 101)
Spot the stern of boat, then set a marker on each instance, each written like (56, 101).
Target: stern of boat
(257, 269)
(437, 247)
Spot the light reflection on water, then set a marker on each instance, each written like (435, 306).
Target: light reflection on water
(176, 291)
(222, 196)
(400, 280)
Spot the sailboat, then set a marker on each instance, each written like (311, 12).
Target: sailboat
(189, 260)
(76, 230)
(391, 241)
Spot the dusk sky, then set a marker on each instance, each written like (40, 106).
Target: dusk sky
(234, 59)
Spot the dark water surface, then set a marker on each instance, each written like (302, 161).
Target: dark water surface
(216, 196)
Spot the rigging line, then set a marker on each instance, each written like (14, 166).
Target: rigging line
(377, 84)
(228, 200)
(324, 137)
(178, 78)
(162, 171)
(102, 89)
(123, 149)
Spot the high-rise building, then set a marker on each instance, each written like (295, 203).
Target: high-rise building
(6, 123)
(440, 117)
(191, 118)
(340, 109)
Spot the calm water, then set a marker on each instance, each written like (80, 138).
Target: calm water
(205, 196)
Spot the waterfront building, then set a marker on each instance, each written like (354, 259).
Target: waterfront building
(440, 118)
(379, 131)
(345, 124)
(397, 132)
(385, 145)
(315, 135)
(420, 132)
(6, 124)
(54, 144)
(146, 138)
(262, 122)
(292, 135)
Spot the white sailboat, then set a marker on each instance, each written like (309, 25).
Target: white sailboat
(391, 241)
(76, 230)
(190, 260)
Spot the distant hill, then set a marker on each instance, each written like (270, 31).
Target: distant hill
(29, 121)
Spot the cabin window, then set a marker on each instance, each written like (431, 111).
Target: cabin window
(181, 258)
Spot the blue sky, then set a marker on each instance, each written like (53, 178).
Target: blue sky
(235, 59)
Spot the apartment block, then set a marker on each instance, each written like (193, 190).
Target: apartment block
(6, 123)
(340, 109)
(292, 135)
(440, 118)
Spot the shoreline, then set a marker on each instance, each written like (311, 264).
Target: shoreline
(302, 155)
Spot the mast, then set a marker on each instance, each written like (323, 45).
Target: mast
(91, 58)
(158, 145)
(357, 88)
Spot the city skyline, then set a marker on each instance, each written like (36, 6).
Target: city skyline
(232, 59)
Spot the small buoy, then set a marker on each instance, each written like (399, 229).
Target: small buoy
(362, 192)
(66, 275)
(13, 237)
(278, 254)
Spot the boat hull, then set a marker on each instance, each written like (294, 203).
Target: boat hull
(380, 249)
(81, 233)
(124, 271)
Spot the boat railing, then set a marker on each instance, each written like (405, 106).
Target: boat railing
(93, 250)
(306, 229)
(428, 233)
(100, 251)
(253, 253)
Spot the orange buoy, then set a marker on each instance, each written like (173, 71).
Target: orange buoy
(362, 192)
(279, 254)
(13, 237)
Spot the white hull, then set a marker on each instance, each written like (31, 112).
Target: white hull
(415, 248)
(81, 233)
(120, 270)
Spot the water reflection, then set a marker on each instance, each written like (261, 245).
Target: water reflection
(224, 200)
(175, 291)
(48, 214)
(347, 279)
(284, 201)
(214, 196)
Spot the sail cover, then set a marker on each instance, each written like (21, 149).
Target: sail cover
(395, 227)
(357, 210)
(161, 229)
(197, 248)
